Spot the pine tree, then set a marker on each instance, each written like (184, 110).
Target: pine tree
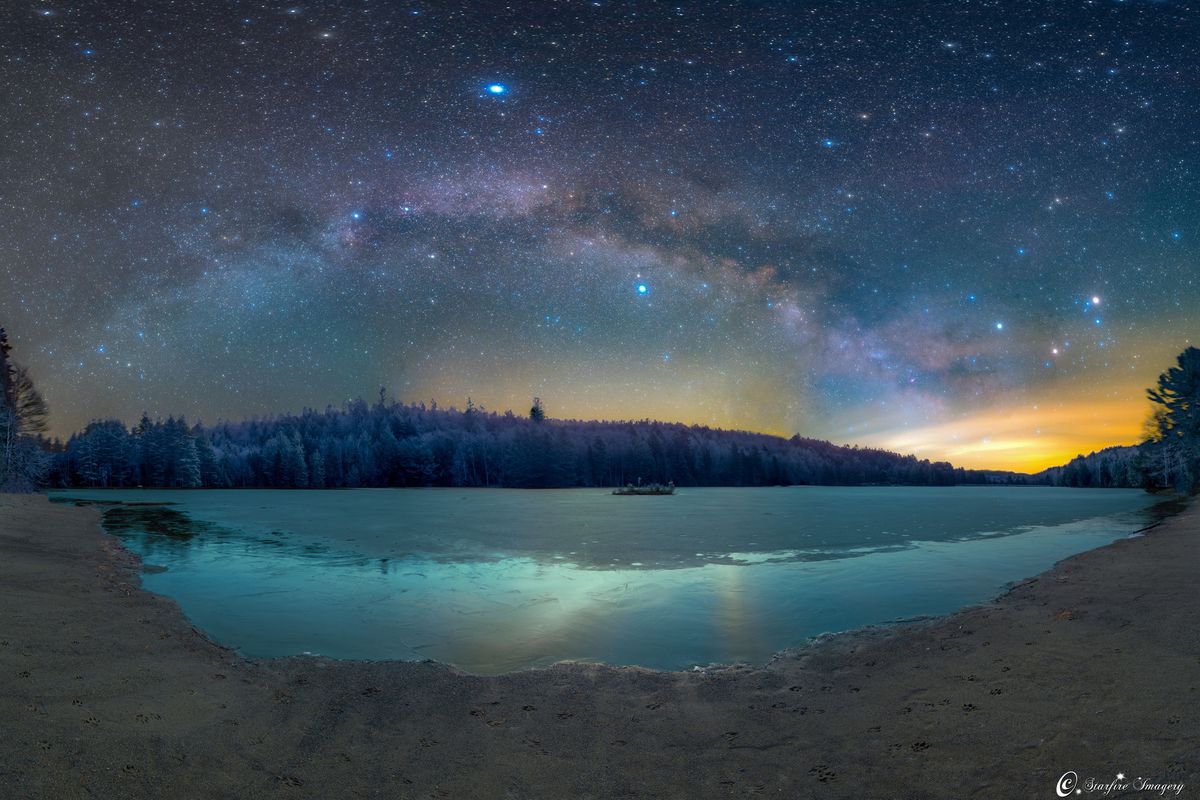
(316, 471)
(23, 416)
(1174, 452)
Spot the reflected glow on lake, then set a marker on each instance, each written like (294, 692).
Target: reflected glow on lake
(494, 580)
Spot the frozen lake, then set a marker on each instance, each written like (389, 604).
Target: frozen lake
(494, 580)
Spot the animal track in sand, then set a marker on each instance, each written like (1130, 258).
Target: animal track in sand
(823, 773)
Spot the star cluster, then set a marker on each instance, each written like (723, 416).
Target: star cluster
(964, 229)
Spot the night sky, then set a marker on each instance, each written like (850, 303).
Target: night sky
(965, 230)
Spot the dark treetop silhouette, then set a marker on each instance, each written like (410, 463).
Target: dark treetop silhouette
(395, 444)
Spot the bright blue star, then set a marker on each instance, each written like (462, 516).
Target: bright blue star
(999, 326)
(642, 288)
(356, 215)
(497, 88)
(1177, 235)
(827, 143)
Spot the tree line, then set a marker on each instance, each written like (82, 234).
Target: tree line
(1169, 455)
(397, 444)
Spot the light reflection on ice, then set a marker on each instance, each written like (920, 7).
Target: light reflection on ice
(494, 580)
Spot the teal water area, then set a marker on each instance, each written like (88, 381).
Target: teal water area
(495, 580)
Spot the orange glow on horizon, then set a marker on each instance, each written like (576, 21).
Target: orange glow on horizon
(1024, 439)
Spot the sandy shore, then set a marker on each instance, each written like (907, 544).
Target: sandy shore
(107, 691)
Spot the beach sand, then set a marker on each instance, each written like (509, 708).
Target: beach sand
(107, 691)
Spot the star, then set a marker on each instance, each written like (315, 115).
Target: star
(497, 88)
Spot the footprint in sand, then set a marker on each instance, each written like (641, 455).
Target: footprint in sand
(91, 720)
(823, 773)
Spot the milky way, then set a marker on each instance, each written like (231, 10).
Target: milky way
(965, 230)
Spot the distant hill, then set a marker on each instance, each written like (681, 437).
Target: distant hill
(395, 444)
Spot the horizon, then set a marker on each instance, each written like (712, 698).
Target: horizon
(129, 421)
(978, 249)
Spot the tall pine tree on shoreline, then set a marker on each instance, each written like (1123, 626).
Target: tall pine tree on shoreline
(23, 418)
